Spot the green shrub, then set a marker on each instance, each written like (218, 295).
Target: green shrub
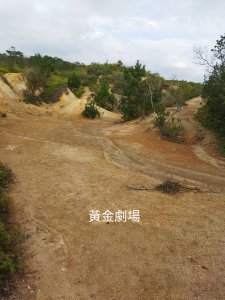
(54, 88)
(170, 128)
(209, 120)
(4, 69)
(172, 131)
(79, 91)
(7, 267)
(161, 115)
(4, 238)
(4, 205)
(90, 80)
(177, 92)
(6, 176)
(74, 81)
(10, 238)
(91, 111)
(94, 87)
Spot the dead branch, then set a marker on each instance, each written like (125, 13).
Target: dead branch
(141, 188)
(155, 188)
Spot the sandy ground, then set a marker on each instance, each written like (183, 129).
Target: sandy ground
(65, 169)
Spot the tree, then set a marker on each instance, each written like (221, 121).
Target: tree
(213, 113)
(131, 104)
(36, 81)
(105, 98)
(45, 63)
(140, 93)
(154, 83)
(15, 57)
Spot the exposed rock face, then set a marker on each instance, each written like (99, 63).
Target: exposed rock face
(8, 98)
(16, 82)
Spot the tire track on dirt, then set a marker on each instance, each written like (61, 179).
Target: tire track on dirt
(159, 170)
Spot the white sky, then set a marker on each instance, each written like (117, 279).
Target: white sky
(161, 34)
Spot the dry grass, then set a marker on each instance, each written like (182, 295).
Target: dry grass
(169, 186)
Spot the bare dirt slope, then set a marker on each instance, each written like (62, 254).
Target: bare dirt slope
(71, 107)
(64, 169)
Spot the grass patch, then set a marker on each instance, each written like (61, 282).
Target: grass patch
(10, 69)
(10, 238)
(4, 70)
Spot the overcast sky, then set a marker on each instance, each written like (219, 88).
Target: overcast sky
(160, 33)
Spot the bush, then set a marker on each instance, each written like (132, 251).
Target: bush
(54, 88)
(79, 91)
(74, 81)
(10, 238)
(91, 111)
(177, 92)
(90, 80)
(36, 79)
(119, 83)
(4, 205)
(170, 128)
(172, 131)
(169, 186)
(222, 147)
(161, 115)
(7, 267)
(6, 176)
(32, 99)
(4, 238)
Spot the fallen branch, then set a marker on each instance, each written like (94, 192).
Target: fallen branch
(141, 188)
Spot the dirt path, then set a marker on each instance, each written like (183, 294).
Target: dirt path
(66, 169)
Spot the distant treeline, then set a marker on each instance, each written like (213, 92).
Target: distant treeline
(138, 90)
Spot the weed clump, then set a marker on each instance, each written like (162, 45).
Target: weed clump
(169, 186)
(91, 111)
